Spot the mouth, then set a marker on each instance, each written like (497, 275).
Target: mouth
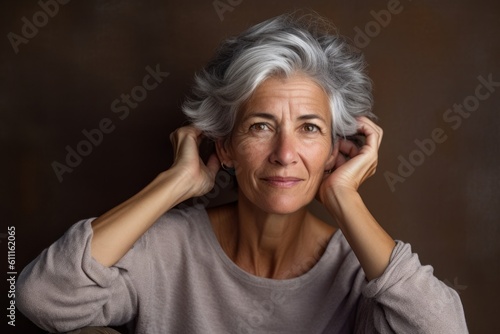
(281, 181)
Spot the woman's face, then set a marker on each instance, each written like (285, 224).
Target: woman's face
(282, 144)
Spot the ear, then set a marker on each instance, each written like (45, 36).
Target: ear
(330, 163)
(223, 152)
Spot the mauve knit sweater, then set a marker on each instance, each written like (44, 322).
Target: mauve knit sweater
(177, 279)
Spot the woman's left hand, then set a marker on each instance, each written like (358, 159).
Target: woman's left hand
(353, 164)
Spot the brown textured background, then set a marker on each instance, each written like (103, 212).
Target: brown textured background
(425, 60)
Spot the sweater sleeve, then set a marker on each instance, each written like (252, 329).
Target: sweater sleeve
(64, 288)
(408, 298)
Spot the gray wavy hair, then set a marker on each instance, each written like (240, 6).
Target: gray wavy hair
(282, 46)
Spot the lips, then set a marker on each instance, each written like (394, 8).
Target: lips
(282, 181)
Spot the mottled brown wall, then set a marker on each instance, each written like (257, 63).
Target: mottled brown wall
(424, 60)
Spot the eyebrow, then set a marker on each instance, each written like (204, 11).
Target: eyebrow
(312, 116)
(273, 118)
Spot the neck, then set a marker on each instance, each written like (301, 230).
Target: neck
(270, 234)
(272, 245)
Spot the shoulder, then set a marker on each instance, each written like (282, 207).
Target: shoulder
(340, 263)
(178, 225)
(339, 250)
(186, 215)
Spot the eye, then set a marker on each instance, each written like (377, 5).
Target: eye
(259, 127)
(311, 128)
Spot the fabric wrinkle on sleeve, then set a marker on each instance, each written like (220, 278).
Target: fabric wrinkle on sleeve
(64, 288)
(98, 273)
(408, 298)
(401, 264)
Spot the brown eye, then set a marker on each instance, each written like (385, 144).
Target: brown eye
(259, 127)
(309, 127)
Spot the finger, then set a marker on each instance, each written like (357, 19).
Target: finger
(213, 164)
(179, 135)
(180, 138)
(173, 141)
(372, 132)
(340, 161)
(348, 148)
(197, 134)
(188, 130)
(191, 130)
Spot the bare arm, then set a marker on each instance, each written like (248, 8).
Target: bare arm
(409, 299)
(339, 193)
(369, 241)
(117, 230)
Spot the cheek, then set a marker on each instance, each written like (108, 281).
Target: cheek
(316, 156)
(250, 153)
(247, 154)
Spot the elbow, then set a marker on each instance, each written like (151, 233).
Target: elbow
(38, 303)
(446, 314)
(30, 303)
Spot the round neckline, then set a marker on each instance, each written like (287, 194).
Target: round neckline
(239, 273)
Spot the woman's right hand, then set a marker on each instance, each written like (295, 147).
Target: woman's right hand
(187, 161)
(117, 230)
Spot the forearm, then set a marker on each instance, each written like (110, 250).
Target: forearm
(117, 230)
(370, 242)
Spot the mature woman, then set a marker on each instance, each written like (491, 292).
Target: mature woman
(279, 101)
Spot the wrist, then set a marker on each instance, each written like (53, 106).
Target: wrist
(340, 199)
(176, 183)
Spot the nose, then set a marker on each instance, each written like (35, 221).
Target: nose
(284, 151)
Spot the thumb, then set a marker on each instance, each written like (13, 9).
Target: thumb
(213, 164)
